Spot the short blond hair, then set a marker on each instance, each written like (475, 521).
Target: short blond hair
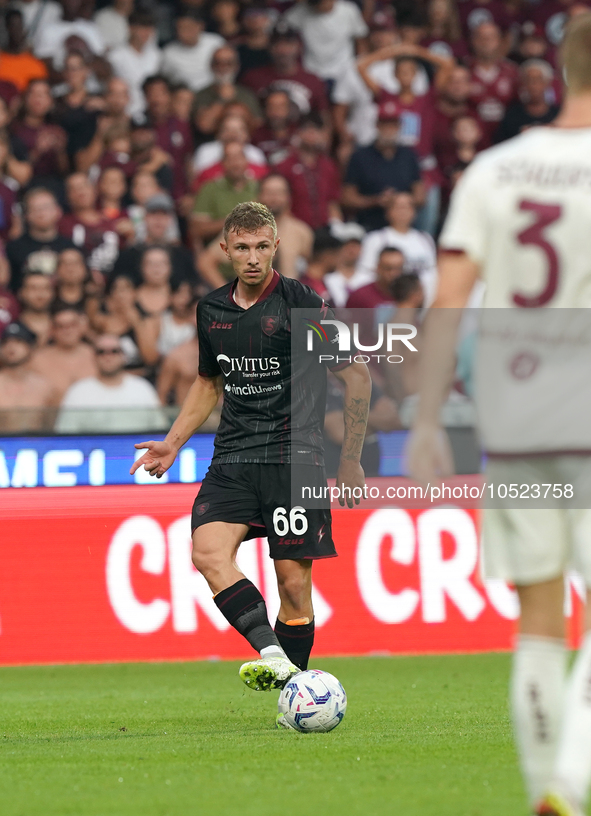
(250, 216)
(575, 53)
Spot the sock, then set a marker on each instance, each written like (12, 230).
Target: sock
(573, 761)
(537, 696)
(244, 607)
(297, 640)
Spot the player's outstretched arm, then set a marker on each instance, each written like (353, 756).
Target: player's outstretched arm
(357, 382)
(198, 405)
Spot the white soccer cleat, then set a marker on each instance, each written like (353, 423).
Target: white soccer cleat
(267, 673)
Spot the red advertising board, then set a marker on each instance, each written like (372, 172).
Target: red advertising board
(104, 574)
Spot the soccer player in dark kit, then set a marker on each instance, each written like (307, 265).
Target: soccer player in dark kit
(244, 331)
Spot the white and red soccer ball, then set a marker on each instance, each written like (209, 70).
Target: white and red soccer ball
(313, 700)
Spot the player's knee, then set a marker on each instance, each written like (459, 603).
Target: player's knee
(204, 560)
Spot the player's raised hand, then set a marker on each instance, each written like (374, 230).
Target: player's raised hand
(428, 454)
(158, 458)
(350, 475)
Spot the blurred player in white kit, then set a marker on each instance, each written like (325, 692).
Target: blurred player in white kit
(520, 219)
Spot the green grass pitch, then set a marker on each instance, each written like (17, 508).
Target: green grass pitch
(423, 736)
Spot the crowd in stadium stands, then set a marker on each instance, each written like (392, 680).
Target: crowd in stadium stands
(128, 131)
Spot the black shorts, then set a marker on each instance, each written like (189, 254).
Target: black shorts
(260, 495)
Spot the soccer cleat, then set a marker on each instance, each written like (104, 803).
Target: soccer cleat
(555, 804)
(267, 673)
(281, 722)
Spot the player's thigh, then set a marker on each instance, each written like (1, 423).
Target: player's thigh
(217, 543)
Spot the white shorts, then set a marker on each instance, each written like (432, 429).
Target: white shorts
(527, 546)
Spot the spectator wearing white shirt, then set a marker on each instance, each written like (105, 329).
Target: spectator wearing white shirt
(329, 30)
(113, 22)
(346, 277)
(73, 32)
(113, 401)
(188, 59)
(418, 247)
(138, 59)
(232, 129)
(37, 16)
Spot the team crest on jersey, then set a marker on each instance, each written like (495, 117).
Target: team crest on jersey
(269, 324)
(203, 508)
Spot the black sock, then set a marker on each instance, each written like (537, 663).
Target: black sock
(244, 607)
(296, 641)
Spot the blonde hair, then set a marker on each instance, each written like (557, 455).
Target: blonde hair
(250, 216)
(575, 54)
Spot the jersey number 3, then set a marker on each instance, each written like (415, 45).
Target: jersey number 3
(545, 214)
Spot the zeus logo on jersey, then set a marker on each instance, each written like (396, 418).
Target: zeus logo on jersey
(248, 366)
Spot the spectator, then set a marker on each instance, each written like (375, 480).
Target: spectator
(467, 135)
(376, 171)
(112, 401)
(172, 136)
(17, 64)
(354, 110)
(178, 373)
(182, 102)
(313, 176)
(9, 308)
(418, 248)
(217, 198)
(325, 255)
(443, 33)
(210, 103)
(112, 118)
(97, 236)
(275, 136)
(188, 58)
(389, 267)
(493, 79)
(25, 396)
(346, 277)
(223, 18)
(176, 325)
(73, 285)
(118, 314)
(153, 294)
(453, 102)
(38, 15)
(138, 59)
(159, 231)
(67, 358)
(533, 107)
(144, 186)
(113, 22)
(208, 157)
(35, 298)
(331, 31)
(148, 157)
(18, 169)
(37, 249)
(253, 45)
(295, 247)
(532, 44)
(75, 31)
(10, 222)
(473, 13)
(285, 73)
(45, 142)
(75, 110)
(416, 113)
(112, 187)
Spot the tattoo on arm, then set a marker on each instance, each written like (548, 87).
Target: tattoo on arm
(356, 413)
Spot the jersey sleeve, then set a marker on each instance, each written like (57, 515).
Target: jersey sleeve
(208, 365)
(465, 227)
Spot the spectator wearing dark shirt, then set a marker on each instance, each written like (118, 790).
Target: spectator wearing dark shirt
(285, 73)
(533, 107)
(274, 137)
(390, 266)
(38, 248)
(325, 255)
(312, 175)
(376, 172)
(171, 135)
(253, 45)
(75, 110)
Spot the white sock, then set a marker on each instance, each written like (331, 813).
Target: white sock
(573, 760)
(272, 651)
(537, 698)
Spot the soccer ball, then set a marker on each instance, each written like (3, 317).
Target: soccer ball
(313, 700)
